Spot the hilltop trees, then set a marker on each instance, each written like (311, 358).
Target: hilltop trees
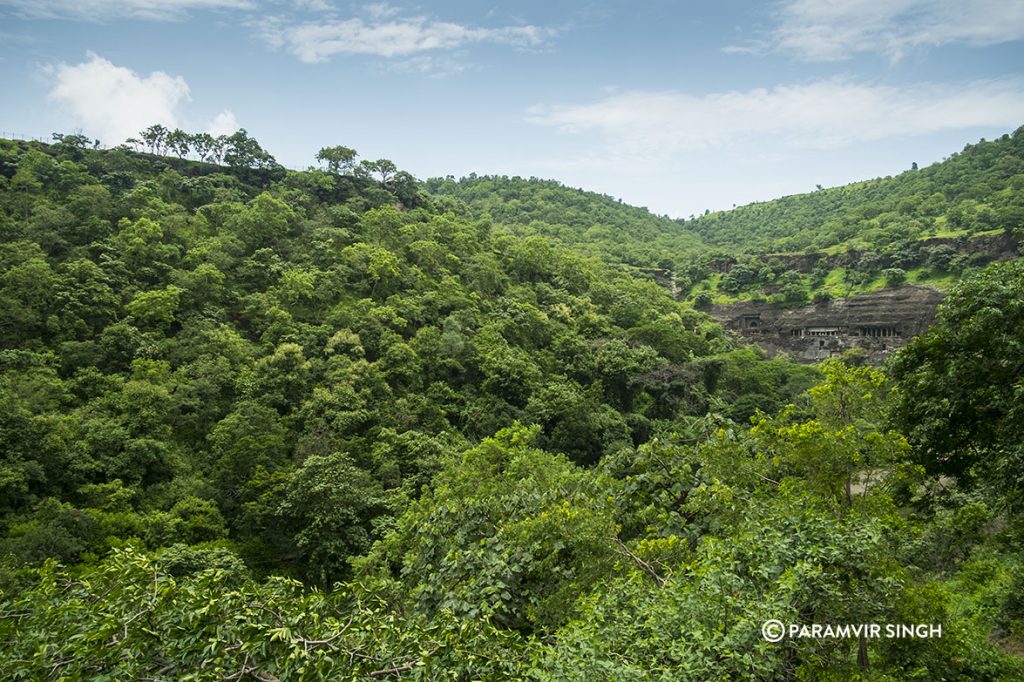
(207, 147)
(179, 142)
(384, 169)
(339, 160)
(237, 150)
(242, 151)
(974, 190)
(155, 137)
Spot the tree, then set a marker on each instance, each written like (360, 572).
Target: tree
(155, 308)
(72, 140)
(202, 144)
(509, 533)
(179, 142)
(894, 276)
(941, 256)
(155, 136)
(217, 148)
(842, 446)
(960, 384)
(279, 379)
(331, 504)
(242, 151)
(251, 436)
(265, 221)
(781, 558)
(152, 606)
(703, 300)
(384, 169)
(739, 278)
(71, 145)
(339, 160)
(196, 520)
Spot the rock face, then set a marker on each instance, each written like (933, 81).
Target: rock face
(879, 323)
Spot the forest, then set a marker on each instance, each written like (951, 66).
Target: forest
(929, 226)
(342, 424)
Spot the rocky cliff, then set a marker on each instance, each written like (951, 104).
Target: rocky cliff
(878, 322)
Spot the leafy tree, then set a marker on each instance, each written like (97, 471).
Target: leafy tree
(332, 505)
(204, 145)
(703, 301)
(384, 169)
(894, 276)
(195, 521)
(509, 533)
(65, 625)
(339, 160)
(242, 151)
(155, 308)
(155, 137)
(251, 435)
(179, 142)
(842, 446)
(264, 221)
(959, 384)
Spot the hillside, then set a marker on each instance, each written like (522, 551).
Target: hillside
(592, 223)
(186, 335)
(928, 226)
(335, 424)
(973, 191)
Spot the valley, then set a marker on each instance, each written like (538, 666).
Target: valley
(343, 424)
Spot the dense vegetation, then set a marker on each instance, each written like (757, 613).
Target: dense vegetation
(918, 227)
(592, 223)
(263, 424)
(926, 226)
(976, 190)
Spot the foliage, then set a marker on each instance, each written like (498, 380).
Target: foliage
(975, 190)
(273, 425)
(962, 394)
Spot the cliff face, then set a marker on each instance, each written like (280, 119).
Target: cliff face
(879, 323)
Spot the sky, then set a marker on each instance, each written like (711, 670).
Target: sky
(680, 106)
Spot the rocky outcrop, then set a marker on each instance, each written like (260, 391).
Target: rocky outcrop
(878, 322)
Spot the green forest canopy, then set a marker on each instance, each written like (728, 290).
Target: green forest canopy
(915, 227)
(335, 424)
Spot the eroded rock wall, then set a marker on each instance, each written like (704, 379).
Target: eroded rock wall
(878, 322)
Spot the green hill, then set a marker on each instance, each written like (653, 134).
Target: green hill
(974, 191)
(926, 226)
(260, 424)
(186, 335)
(595, 224)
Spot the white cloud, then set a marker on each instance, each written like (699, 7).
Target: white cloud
(112, 102)
(385, 35)
(102, 10)
(823, 115)
(829, 30)
(380, 10)
(312, 5)
(223, 123)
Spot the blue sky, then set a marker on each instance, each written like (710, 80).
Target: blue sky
(676, 106)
